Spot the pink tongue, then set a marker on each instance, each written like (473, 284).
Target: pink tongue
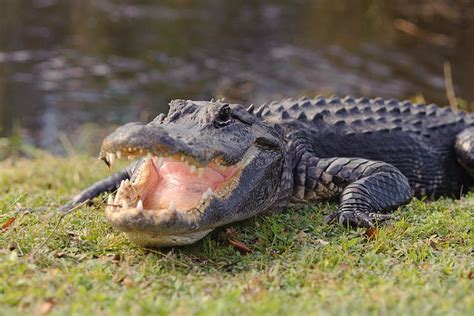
(178, 184)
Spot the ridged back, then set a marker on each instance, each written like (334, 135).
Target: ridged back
(351, 115)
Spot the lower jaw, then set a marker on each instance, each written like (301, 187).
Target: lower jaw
(156, 241)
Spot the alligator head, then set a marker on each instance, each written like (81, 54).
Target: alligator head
(203, 165)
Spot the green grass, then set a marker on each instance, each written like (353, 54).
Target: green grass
(422, 263)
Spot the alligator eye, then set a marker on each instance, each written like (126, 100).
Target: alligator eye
(223, 118)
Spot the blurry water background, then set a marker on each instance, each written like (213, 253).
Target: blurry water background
(70, 71)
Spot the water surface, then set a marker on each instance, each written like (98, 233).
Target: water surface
(71, 70)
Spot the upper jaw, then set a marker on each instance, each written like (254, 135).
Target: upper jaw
(135, 140)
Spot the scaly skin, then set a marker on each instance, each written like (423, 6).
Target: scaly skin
(371, 154)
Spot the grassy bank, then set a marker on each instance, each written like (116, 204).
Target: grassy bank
(419, 264)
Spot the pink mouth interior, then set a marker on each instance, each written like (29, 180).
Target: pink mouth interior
(173, 181)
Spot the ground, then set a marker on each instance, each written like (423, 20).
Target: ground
(290, 263)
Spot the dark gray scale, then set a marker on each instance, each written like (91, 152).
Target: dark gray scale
(417, 139)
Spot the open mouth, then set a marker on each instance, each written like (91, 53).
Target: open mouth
(171, 184)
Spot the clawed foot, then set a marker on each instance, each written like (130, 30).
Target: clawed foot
(357, 218)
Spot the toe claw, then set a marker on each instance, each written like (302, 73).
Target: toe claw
(356, 218)
(365, 222)
(331, 217)
(378, 217)
(344, 219)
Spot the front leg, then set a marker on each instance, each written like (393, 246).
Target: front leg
(367, 189)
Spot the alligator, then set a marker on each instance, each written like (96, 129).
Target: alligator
(210, 163)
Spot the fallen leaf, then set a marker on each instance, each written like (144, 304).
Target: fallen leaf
(59, 254)
(240, 246)
(12, 245)
(434, 242)
(45, 307)
(8, 223)
(371, 233)
(321, 242)
(470, 275)
(116, 259)
(128, 282)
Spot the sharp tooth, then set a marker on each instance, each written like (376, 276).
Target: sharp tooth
(119, 154)
(200, 172)
(159, 162)
(111, 158)
(110, 200)
(172, 206)
(192, 169)
(149, 155)
(182, 158)
(209, 191)
(207, 194)
(140, 205)
(130, 157)
(124, 204)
